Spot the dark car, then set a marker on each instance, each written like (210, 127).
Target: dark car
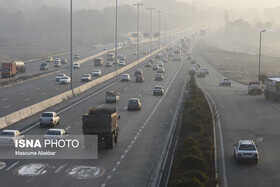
(139, 78)
(200, 74)
(254, 89)
(158, 90)
(159, 77)
(44, 66)
(151, 60)
(138, 72)
(134, 104)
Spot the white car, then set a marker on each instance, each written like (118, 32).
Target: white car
(135, 53)
(58, 77)
(76, 66)
(155, 67)
(86, 78)
(206, 71)
(96, 72)
(76, 56)
(161, 70)
(56, 134)
(125, 78)
(160, 63)
(56, 64)
(57, 60)
(49, 118)
(158, 90)
(246, 150)
(108, 64)
(65, 80)
(64, 61)
(225, 82)
(122, 63)
(9, 136)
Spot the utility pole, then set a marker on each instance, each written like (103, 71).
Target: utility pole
(116, 37)
(166, 14)
(138, 4)
(151, 26)
(71, 47)
(159, 12)
(260, 51)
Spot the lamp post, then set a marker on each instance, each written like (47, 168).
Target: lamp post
(166, 14)
(260, 50)
(71, 48)
(151, 26)
(116, 36)
(159, 12)
(137, 4)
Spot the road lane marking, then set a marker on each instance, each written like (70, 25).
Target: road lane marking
(38, 88)
(100, 106)
(125, 89)
(12, 166)
(139, 95)
(67, 128)
(61, 168)
(43, 93)
(4, 99)
(23, 93)
(7, 106)
(27, 99)
(57, 88)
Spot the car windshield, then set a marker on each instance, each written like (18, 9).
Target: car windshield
(53, 132)
(247, 147)
(86, 75)
(47, 115)
(133, 102)
(255, 86)
(6, 133)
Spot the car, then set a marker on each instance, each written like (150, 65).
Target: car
(148, 64)
(86, 78)
(165, 60)
(138, 72)
(139, 78)
(116, 61)
(44, 66)
(225, 82)
(76, 56)
(193, 61)
(49, 118)
(151, 60)
(134, 104)
(58, 76)
(125, 78)
(135, 53)
(159, 77)
(254, 89)
(200, 74)
(158, 90)
(161, 70)
(65, 80)
(112, 97)
(96, 72)
(122, 63)
(56, 134)
(56, 64)
(192, 71)
(158, 56)
(76, 66)
(155, 67)
(195, 66)
(246, 150)
(145, 52)
(206, 71)
(160, 63)
(8, 137)
(108, 64)
(50, 59)
(64, 61)
(57, 60)
(121, 56)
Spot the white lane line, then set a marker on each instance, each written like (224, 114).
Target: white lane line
(38, 88)
(61, 168)
(125, 89)
(100, 106)
(67, 128)
(27, 99)
(125, 108)
(7, 106)
(57, 88)
(139, 95)
(23, 93)
(131, 84)
(4, 99)
(44, 93)
(12, 166)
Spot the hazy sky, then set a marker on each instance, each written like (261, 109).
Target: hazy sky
(244, 4)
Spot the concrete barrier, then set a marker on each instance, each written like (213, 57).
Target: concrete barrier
(38, 107)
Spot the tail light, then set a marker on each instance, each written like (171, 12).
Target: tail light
(256, 155)
(238, 154)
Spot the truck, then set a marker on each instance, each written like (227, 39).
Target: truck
(20, 65)
(98, 61)
(103, 123)
(112, 97)
(8, 70)
(177, 55)
(110, 56)
(272, 88)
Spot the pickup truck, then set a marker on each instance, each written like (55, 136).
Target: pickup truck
(254, 88)
(225, 82)
(8, 137)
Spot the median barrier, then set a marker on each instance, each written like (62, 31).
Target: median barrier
(24, 113)
(13, 118)
(3, 123)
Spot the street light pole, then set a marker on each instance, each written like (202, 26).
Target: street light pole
(116, 37)
(260, 50)
(137, 4)
(151, 26)
(71, 47)
(159, 25)
(166, 14)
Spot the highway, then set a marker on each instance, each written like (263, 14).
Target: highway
(143, 133)
(22, 95)
(243, 117)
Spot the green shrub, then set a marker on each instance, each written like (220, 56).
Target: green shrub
(201, 176)
(190, 141)
(193, 150)
(196, 126)
(193, 162)
(188, 182)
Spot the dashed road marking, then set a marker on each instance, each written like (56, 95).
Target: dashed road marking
(27, 99)
(7, 106)
(23, 93)
(12, 166)
(44, 93)
(4, 99)
(61, 168)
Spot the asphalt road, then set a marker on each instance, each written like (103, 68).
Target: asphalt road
(22, 95)
(244, 117)
(134, 160)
